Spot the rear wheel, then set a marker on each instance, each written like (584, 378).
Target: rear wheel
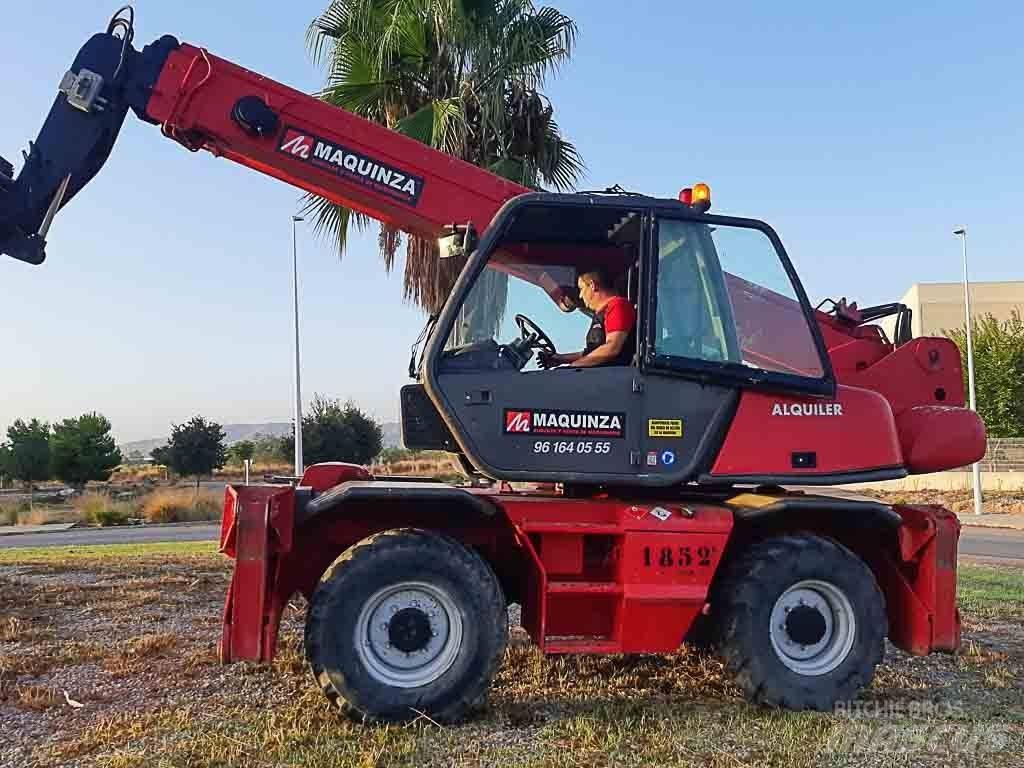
(800, 622)
(406, 622)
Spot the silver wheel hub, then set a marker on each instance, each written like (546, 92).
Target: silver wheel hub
(813, 627)
(407, 635)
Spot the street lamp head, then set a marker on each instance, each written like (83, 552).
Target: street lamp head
(961, 231)
(297, 218)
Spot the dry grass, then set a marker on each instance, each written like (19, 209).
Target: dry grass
(12, 629)
(428, 464)
(161, 699)
(9, 512)
(34, 516)
(260, 467)
(138, 473)
(37, 697)
(136, 655)
(995, 502)
(180, 505)
(149, 646)
(21, 513)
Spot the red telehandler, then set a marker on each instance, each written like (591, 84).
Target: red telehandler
(649, 507)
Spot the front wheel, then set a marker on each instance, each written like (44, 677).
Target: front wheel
(406, 622)
(800, 622)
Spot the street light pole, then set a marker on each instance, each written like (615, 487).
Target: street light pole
(298, 376)
(976, 468)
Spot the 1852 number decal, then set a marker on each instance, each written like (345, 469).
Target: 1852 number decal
(678, 557)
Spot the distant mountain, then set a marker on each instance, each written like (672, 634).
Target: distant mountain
(235, 433)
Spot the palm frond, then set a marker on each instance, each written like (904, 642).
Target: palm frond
(332, 221)
(463, 76)
(513, 169)
(326, 28)
(439, 124)
(563, 165)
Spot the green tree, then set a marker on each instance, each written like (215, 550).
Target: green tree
(335, 432)
(194, 449)
(998, 372)
(29, 447)
(241, 451)
(83, 449)
(5, 463)
(463, 76)
(269, 448)
(161, 455)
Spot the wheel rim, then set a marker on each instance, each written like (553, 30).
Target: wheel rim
(813, 627)
(408, 635)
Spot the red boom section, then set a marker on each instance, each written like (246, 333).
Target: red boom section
(323, 149)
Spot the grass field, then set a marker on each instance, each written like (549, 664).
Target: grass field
(129, 633)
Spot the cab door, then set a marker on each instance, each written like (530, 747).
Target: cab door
(725, 313)
(513, 419)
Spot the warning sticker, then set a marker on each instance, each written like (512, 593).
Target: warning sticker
(664, 427)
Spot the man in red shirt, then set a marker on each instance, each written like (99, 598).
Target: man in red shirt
(612, 336)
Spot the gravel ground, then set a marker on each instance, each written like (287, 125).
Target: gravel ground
(119, 642)
(100, 655)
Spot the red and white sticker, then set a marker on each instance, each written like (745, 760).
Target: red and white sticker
(352, 166)
(564, 423)
(518, 421)
(296, 143)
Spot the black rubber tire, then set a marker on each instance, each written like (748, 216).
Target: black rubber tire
(389, 558)
(742, 605)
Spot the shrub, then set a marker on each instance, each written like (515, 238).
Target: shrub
(117, 514)
(100, 509)
(208, 506)
(9, 513)
(37, 515)
(163, 506)
(180, 506)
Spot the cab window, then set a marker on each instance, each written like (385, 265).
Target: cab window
(533, 271)
(723, 296)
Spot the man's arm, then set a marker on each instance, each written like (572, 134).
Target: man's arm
(548, 360)
(614, 342)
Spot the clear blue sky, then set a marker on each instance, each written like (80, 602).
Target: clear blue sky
(862, 131)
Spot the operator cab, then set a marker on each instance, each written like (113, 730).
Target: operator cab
(717, 308)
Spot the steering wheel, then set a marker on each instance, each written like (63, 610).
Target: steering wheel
(533, 336)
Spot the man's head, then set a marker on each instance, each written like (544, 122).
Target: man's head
(595, 288)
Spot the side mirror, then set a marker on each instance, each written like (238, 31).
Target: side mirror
(459, 242)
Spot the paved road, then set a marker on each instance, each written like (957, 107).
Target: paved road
(974, 542)
(1001, 543)
(88, 536)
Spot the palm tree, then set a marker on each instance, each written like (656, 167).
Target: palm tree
(463, 76)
